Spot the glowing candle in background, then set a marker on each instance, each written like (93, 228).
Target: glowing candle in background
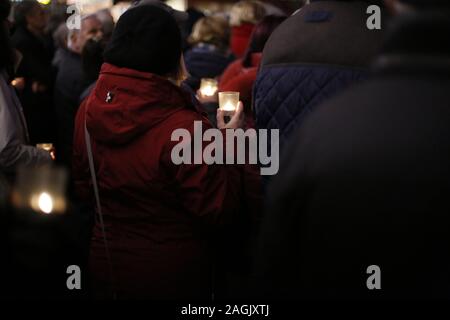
(45, 203)
(209, 87)
(42, 190)
(228, 102)
(18, 83)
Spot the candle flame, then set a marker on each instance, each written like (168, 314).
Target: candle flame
(229, 106)
(45, 203)
(209, 90)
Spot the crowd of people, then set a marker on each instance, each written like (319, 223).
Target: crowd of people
(364, 121)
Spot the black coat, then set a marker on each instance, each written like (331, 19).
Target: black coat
(70, 84)
(36, 67)
(366, 181)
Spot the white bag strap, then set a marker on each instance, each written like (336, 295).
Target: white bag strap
(99, 206)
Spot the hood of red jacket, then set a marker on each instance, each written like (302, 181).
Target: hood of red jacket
(126, 103)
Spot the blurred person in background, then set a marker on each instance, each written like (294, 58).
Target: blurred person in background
(70, 83)
(119, 7)
(107, 21)
(209, 55)
(35, 70)
(193, 16)
(160, 217)
(92, 60)
(60, 40)
(241, 74)
(14, 148)
(366, 179)
(57, 16)
(244, 16)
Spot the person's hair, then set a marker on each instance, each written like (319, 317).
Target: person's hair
(22, 10)
(260, 35)
(247, 11)
(92, 59)
(6, 52)
(107, 21)
(212, 30)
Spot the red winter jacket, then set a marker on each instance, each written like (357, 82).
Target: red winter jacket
(158, 216)
(240, 38)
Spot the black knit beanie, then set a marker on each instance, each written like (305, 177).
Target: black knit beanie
(146, 38)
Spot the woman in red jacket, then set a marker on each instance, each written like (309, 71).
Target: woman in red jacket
(244, 15)
(241, 74)
(159, 217)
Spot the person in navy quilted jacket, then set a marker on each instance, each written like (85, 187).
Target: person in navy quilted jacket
(318, 52)
(367, 179)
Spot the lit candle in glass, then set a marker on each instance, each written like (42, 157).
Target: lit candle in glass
(209, 87)
(41, 189)
(228, 102)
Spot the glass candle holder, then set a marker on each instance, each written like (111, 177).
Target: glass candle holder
(209, 87)
(41, 189)
(228, 102)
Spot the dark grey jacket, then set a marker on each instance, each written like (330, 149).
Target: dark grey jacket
(14, 150)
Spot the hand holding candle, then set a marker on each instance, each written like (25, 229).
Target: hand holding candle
(237, 119)
(228, 102)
